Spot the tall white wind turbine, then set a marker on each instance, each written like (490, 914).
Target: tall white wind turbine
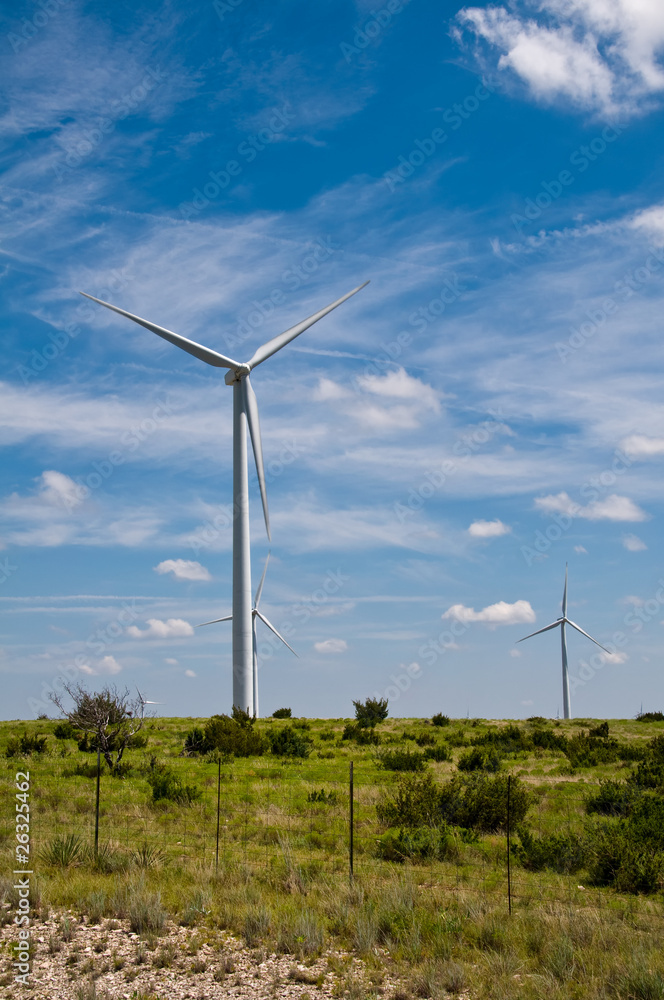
(255, 613)
(245, 414)
(562, 622)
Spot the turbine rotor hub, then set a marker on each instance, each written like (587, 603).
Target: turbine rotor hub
(235, 374)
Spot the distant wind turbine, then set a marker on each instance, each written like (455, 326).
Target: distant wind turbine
(145, 702)
(245, 414)
(562, 622)
(255, 613)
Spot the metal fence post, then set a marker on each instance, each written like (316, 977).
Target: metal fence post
(509, 879)
(351, 803)
(97, 804)
(216, 857)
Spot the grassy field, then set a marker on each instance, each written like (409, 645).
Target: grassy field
(439, 921)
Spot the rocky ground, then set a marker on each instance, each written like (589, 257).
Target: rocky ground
(75, 960)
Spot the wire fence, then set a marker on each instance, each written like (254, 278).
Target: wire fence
(306, 818)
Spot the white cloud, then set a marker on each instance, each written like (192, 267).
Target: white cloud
(527, 701)
(172, 628)
(400, 385)
(171, 661)
(611, 508)
(107, 665)
(640, 446)
(651, 220)
(190, 673)
(327, 390)
(515, 654)
(183, 569)
(634, 600)
(614, 657)
(488, 529)
(633, 543)
(331, 646)
(581, 550)
(501, 613)
(600, 55)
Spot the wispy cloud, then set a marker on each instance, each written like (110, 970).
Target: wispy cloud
(183, 569)
(172, 628)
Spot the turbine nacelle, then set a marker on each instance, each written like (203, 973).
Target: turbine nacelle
(235, 374)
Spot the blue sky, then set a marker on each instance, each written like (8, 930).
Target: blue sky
(486, 410)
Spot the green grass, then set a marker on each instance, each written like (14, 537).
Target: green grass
(282, 879)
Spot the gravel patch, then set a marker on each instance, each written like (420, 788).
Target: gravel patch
(107, 961)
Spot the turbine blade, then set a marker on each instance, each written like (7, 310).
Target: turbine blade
(259, 590)
(274, 345)
(228, 618)
(565, 595)
(540, 630)
(579, 629)
(251, 409)
(273, 629)
(191, 347)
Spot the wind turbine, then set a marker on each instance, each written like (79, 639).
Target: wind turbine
(562, 622)
(145, 702)
(255, 613)
(245, 414)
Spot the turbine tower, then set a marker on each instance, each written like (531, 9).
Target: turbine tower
(255, 613)
(562, 622)
(245, 415)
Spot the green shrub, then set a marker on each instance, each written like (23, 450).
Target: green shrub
(401, 759)
(87, 743)
(361, 736)
(648, 774)
(24, 746)
(425, 739)
(655, 749)
(479, 801)
(650, 717)
(589, 751)
(327, 798)
(371, 712)
(301, 724)
(414, 802)
(564, 853)
(65, 731)
(614, 798)
(194, 741)
(601, 731)
(166, 784)
(288, 742)
(282, 713)
(617, 858)
(235, 736)
(418, 844)
(437, 752)
(480, 759)
(507, 739)
(440, 720)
